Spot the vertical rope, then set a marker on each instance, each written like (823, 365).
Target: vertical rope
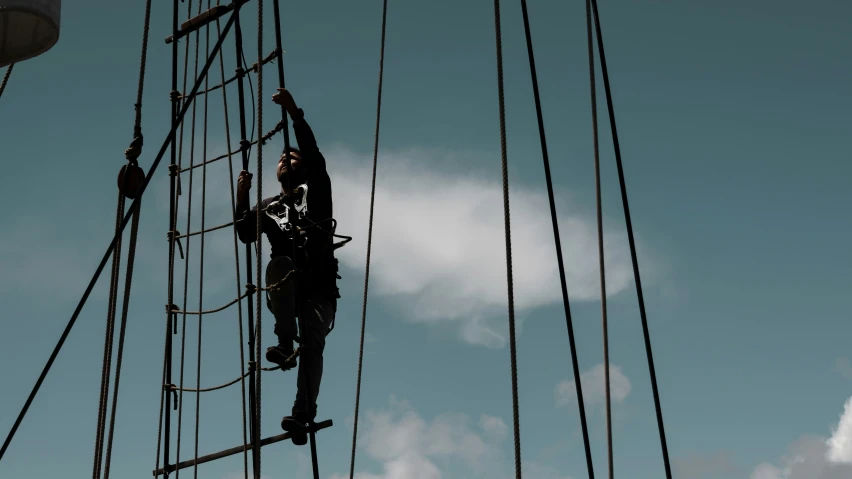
(201, 253)
(236, 254)
(131, 257)
(258, 330)
(508, 234)
(253, 367)
(632, 242)
(188, 224)
(557, 241)
(285, 129)
(369, 239)
(108, 341)
(163, 393)
(601, 259)
(6, 78)
(142, 63)
(132, 154)
(173, 178)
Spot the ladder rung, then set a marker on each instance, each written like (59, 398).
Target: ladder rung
(236, 450)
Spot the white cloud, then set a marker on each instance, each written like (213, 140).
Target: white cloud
(493, 426)
(768, 471)
(814, 457)
(409, 447)
(439, 248)
(840, 442)
(594, 392)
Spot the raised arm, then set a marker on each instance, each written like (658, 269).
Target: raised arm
(312, 159)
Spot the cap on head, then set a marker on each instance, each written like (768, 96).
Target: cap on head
(297, 157)
(293, 149)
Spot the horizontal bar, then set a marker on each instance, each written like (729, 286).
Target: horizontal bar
(236, 450)
(203, 19)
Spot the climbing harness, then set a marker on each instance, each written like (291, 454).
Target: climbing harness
(279, 209)
(291, 214)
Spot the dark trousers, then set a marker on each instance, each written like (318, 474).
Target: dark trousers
(317, 313)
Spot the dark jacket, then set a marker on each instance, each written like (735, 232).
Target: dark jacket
(321, 266)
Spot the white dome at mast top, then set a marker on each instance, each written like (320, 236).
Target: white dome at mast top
(28, 28)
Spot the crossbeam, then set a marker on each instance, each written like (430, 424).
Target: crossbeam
(236, 450)
(195, 23)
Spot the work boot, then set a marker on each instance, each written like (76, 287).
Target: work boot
(297, 426)
(282, 356)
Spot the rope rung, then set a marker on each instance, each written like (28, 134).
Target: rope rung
(236, 450)
(265, 137)
(208, 230)
(211, 311)
(239, 73)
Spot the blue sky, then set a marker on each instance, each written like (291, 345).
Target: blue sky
(734, 127)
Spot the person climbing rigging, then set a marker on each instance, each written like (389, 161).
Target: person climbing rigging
(311, 292)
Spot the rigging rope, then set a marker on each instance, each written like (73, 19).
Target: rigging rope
(6, 78)
(110, 248)
(167, 354)
(207, 230)
(201, 255)
(632, 243)
(211, 311)
(243, 373)
(132, 154)
(244, 145)
(188, 220)
(142, 63)
(108, 341)
(259, 243)
(557, 242)
(508, 234)
(601, 258)
(254, 68)
(131, 256)
(262, 141)
(369, 238)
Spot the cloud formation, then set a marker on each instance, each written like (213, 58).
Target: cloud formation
(814, 457)
(840, 443)
(439, 248)
(594, 391)
(409, 447)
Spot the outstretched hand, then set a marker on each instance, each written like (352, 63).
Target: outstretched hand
(284, 98)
